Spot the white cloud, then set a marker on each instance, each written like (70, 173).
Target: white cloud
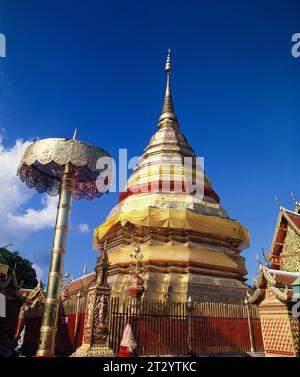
(38, 271)
(83, 228)
(14, 195)
(13, 191)
(33, 220)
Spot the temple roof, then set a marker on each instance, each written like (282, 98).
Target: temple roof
(78, 285)
(284, 252)
(35, 297)
(293, 218)
(283, 260)
(279, 282)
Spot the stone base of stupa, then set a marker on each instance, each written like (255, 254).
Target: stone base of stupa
(173, 286)
(179, 264)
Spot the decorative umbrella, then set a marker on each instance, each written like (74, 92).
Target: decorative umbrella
(68, 168)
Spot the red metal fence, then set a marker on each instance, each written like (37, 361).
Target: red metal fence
(163, 328)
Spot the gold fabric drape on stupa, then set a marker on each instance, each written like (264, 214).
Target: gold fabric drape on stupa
(176, 218)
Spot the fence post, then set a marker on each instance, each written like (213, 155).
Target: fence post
(250, 325)
(190, 309)
(76, 322)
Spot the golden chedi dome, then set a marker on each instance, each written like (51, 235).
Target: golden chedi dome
(190, 245)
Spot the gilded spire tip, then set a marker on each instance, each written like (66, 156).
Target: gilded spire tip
(168, 108)
(168, 62)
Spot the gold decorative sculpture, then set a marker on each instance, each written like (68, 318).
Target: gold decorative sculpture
(95, 342)
(68, 168)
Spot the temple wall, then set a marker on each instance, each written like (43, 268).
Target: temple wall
(279, 328)
(290, 256)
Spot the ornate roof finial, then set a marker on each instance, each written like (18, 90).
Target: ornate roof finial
(278, 202)
(75, 134)
(257, 259)
(168, 107)
(66, 280)
(297, 204)
(84, 268)
(265, 255)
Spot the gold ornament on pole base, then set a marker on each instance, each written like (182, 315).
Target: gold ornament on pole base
(68, 168)
(96, 320)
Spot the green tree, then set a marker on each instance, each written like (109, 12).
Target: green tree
(23, 267)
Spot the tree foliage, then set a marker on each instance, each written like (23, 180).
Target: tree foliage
(23, 267)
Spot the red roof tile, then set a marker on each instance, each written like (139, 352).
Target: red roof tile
(77, 285)
(295, 218)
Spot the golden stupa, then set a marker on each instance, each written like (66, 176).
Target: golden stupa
(169, 209)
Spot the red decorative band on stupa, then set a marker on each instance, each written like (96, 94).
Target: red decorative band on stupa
(168, 187)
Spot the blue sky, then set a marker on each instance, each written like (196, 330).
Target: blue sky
(98, 66)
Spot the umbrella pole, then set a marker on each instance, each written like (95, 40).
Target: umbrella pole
(51, 306)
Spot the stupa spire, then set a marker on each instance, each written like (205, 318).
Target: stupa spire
(168, 107)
